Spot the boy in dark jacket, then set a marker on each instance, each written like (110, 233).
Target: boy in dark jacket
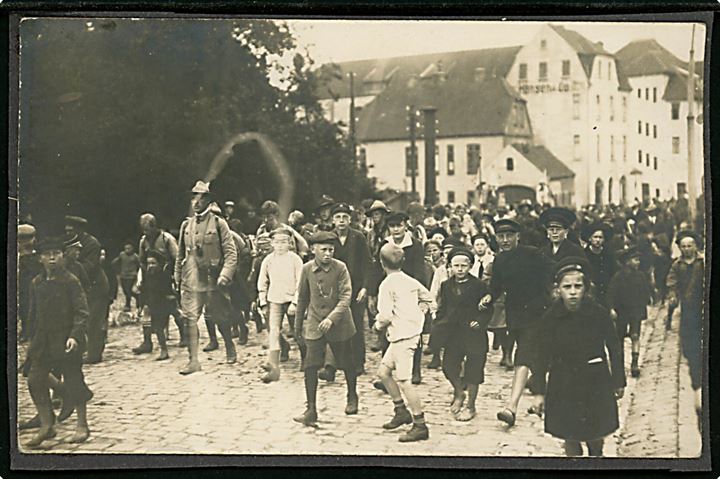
(628, 295)
(461, 329)
(156, 296)
(58, 307)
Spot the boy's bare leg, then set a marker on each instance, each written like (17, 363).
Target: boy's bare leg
(82, 432)
(518, 386)
(413, 400)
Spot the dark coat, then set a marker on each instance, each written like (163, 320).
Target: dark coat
(355, 253)
(78, 270)
(59, 310)
(524, 274)
(28, 267)
(579, 399)
(457, 308)
(629, 293)
(156, 292)
(602, 268)
(567, 248)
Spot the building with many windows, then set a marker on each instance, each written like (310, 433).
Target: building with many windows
(616, 121)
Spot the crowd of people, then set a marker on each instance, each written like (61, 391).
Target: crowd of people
(560, 290)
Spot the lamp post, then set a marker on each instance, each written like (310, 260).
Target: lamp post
(692, 190)
(412, 119)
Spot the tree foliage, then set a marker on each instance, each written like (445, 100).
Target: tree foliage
(121, 116)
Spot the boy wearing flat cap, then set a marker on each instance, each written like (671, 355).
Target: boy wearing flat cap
(628, 295)
(460, 328)
(558, 221)
(324, 318)
(402, 304)
(58, 306)
(685, 282)
(523, 273)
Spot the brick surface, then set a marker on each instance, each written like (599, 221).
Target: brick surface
(144, 406)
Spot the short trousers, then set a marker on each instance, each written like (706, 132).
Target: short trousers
(342, 351)
(528, 343)
(399, 357)
(628, 326)
(217, 306)
(458, 350)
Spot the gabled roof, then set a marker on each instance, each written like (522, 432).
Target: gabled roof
(465, 107)
(544, 160)
(587, 51)
(334, 81)
(648, 57)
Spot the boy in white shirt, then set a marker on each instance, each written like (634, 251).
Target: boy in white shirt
(402, 303)
(277, 289)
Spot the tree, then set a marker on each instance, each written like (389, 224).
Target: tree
(121, 116)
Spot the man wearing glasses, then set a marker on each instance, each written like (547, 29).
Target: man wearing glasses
(557, 222)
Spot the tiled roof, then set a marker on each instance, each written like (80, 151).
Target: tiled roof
(544, 160)
(464, 108)
(391, 70)
(648, 57)
(467, 105)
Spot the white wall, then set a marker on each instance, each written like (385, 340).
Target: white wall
(386, 162)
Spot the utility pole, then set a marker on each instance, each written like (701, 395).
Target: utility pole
(353, 145)
(429, 117)
(692, 190)
(412, 120)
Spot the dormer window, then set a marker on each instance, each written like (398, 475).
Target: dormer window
(543, 44)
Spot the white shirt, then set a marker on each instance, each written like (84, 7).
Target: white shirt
(279, 278)
(398, 306)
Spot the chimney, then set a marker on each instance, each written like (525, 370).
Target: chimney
(413, 81)
(600, 45)
(441, 74)
(479, 74)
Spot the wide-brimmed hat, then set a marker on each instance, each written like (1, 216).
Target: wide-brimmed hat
(377, 205)
(688, 234)
(201, 187)
(589, 229)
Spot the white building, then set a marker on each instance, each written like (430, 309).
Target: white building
(560, 90)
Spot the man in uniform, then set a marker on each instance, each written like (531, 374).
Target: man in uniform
(98, 293)
(523, 274)
(205, 266)
(234, 223)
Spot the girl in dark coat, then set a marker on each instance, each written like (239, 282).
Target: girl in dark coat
(581, 390)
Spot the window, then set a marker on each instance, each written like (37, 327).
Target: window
(640, 93)
(612, 108)
(473, 159)
(657, 192)
(450, 160)
(509, 164)
(624, 109)
(437, 160)
(675, 145)
(451, 197)
(410, 162)
(612, 148)
(640, 156)
(647, 159)
(597, 148)
(654, 162)
(599, 64)
(624, 148)
(566, 68)
(647, 93)
(523, 71)
(542, 68)
(640, 127)
(647, 129)
(654, 131)
(470, 196)
(543, 44)
(675, 111)
(599, 112)
(654, 94)
(610, 70)
(576, 106)
(576, 148)
(681, 189)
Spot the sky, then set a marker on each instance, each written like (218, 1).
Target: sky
(344, 40)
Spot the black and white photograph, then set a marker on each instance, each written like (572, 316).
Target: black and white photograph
(247, 236)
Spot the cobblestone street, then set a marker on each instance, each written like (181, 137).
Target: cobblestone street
(144, 406)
